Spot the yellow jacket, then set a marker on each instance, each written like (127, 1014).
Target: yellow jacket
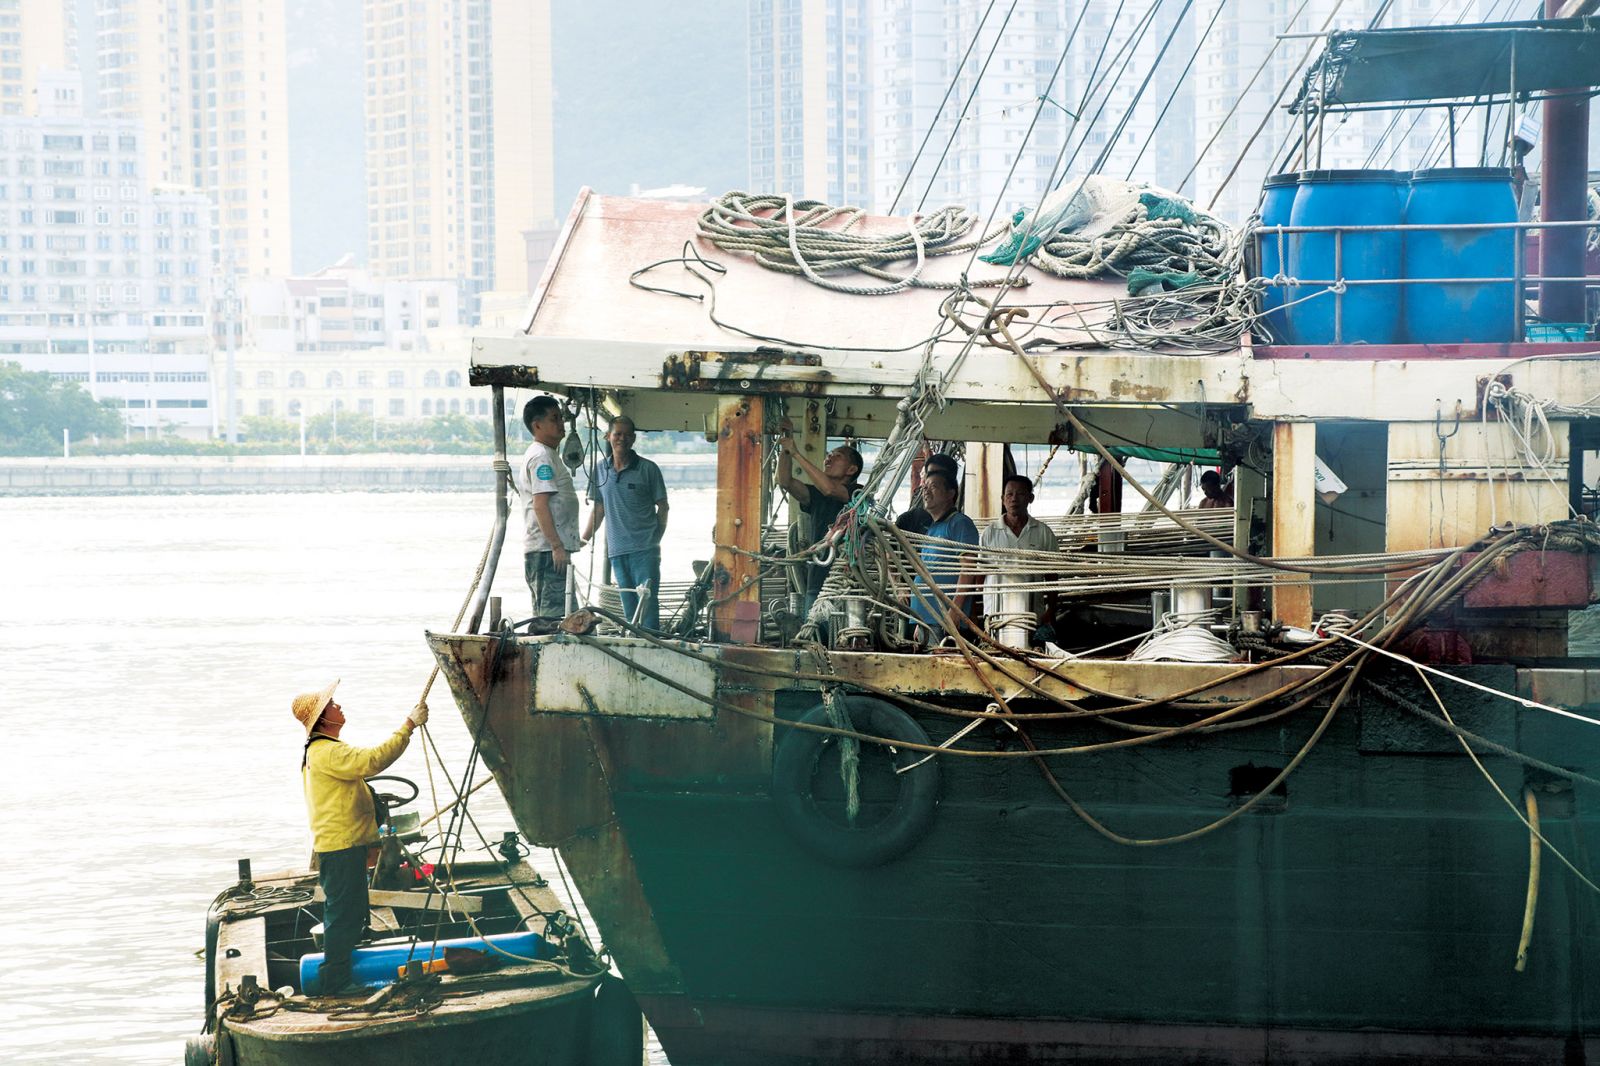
(337, 800)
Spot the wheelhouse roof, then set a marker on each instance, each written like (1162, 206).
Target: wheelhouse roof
(586, 292)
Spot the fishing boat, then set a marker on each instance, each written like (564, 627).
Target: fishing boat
(1308, 778)
(488, 970)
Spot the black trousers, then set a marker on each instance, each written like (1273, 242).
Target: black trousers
(343, 876)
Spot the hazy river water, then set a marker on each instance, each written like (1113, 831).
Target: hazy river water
(150, 647)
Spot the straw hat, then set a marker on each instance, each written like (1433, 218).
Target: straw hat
(308, 706)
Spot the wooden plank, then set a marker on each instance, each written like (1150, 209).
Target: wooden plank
(378, 897)
(1294, 512)
(241, 949)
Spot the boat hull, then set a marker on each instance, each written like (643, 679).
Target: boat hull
(549, 1033)
(1369, 913)
(733, 1035)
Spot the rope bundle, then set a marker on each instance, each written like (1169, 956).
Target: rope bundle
(804, 238)
(1163, 246)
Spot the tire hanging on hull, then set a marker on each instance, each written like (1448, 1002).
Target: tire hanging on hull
(614, 1026)
(794, 766)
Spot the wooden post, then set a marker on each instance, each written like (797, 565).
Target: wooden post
(740, 425)
(1249, 499)
(1294, 512)
(986, 469)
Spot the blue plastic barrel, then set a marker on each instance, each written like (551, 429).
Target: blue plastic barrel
(376, 966)
(1364, 314)
(1463, 311)
(1277, 202)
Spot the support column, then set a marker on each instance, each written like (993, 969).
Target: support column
(1249, 499)
(986, 469)
(740, 424)
(1294, 512)
(1563, 197)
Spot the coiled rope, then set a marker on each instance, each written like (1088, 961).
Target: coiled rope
(804, 238)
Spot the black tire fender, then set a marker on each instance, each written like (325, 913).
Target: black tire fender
(615, 1035)
(794, 765)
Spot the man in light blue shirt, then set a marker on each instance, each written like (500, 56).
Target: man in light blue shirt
(634, 497)
(949, 564)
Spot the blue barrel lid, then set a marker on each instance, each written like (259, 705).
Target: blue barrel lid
(1274, 181)
(1463, 174)
(1390, 176)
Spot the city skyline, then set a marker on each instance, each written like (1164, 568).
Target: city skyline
(442, 142)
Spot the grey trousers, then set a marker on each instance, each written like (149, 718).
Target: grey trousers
(548, 585)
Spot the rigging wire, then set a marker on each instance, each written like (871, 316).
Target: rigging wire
(955, 127)
(1177, 86)
(1223, 124)
(1138, 96)
(1272, 108)
(955, 77)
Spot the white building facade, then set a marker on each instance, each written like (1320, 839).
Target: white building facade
(343, 340)
(105, 278)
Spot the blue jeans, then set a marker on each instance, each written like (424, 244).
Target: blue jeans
(343, 877)
(632, 569)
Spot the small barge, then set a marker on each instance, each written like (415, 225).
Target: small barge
(492, 971)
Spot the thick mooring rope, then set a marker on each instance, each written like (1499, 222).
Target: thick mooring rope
(804, 238)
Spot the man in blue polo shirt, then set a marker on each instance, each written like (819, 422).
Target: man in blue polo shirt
(950, 565)
(634, 497)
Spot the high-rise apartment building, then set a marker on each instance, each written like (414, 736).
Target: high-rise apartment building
(919, 47)
(35, 35)
(458, 137)
(1128, 79)
(105, 276)
(207, 82)
(811, 99)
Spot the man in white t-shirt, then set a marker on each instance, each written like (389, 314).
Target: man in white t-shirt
(549, 510)
(1017, 530)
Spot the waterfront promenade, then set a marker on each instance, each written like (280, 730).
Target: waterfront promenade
(153, 474)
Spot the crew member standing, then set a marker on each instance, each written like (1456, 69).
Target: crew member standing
(1015, 530)
(634, 497)
(832, 485)
(949, 564)
(549, 511)
(343, 826)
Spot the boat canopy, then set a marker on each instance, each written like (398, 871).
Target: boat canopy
(1447, 63)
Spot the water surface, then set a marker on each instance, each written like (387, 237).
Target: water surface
(150, 648)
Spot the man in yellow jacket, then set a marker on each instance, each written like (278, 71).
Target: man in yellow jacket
(343, 827)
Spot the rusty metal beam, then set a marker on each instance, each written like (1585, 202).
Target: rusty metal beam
(740, 426)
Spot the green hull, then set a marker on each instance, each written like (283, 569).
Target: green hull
(1371, 913)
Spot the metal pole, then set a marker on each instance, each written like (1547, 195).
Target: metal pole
(229, 315)
(1338, 295)
(1563, 196)
(502, 509)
